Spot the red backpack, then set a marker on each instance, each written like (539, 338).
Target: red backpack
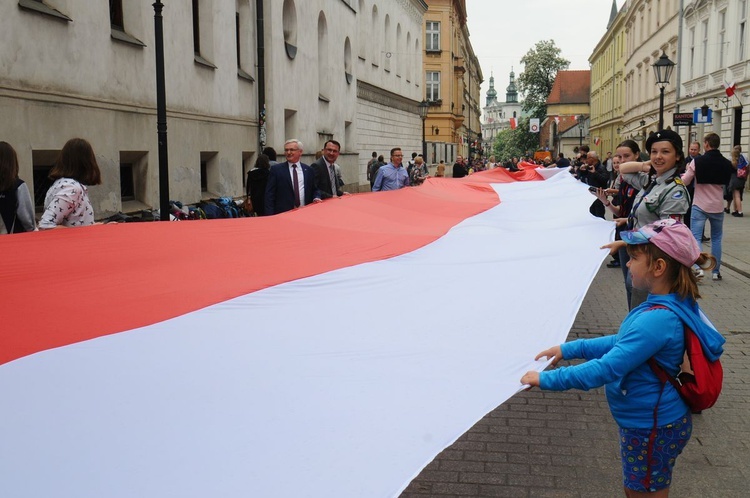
(699, 380)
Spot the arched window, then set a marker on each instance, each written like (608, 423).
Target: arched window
(398, 55)
(289, 20)
(388, 44)
(348, 61)
(323, 65)
(375, 41)
(364, 31)
(408, 57)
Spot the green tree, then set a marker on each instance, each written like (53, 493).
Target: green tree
(518, 142)
(541, 65)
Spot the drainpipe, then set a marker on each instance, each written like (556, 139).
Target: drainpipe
(261, 71)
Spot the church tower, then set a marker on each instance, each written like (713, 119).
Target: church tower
(511, 95)
(491, 93)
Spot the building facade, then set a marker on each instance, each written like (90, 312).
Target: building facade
(607, 85)
(714, 54)
(651, 28)
(567, 125)
(353, 74)
(452, 82)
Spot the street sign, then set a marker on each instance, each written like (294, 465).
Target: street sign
(698, 116)
(682, 119)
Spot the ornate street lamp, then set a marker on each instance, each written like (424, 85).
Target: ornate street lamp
(663, 68)
(423, 107)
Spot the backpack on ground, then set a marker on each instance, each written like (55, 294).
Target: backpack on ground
(228, 206)
(699, 380)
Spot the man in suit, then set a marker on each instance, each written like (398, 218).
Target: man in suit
(327, 172)
(291, 184)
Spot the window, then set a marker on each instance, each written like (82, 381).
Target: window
(210, 179)
(691, 61)
(196, 28)
(289, 22)
(115, 15)
(117, 23)
(133, 172)
(432, 32)
(42, 8)
(42, 161)
(433, 86)
(704, 63)
(127, 183)
(722, 36)
(741, 38)
(203, 34)
(322, 66)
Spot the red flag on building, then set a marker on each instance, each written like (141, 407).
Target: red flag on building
(513, 123)
(730, 89)
(597, 141)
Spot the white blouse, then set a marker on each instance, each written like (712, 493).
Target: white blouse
(67, 204)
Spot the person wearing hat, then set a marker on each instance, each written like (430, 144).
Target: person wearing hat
(645, 409)
(662, 194)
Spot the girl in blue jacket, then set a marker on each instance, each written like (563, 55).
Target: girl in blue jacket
(662, 255)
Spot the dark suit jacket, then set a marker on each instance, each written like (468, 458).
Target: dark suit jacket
(323, 179)
(280, 191)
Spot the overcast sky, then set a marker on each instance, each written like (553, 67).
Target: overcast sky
(502, 31)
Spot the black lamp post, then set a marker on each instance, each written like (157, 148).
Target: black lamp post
(161, 113)
(663, 68)
(581, 121)
(423, 107)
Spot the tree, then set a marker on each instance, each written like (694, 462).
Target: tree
(518, 142)
(541, 65)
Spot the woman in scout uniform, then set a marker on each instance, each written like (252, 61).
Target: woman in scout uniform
(662, 194)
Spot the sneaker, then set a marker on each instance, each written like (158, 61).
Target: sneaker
(726, 210)
(716, 276)
(737, 214)
(698, 273)
(705, 239)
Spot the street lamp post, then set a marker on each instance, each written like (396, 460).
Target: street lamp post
(663, 68)
(581, 122)
(161, 113)
(423, 107)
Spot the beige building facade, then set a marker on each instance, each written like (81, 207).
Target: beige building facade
(715, 53)
(651, 28)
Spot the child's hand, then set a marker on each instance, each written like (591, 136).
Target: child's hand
(555, 352)
(530, 378)
(613, 246)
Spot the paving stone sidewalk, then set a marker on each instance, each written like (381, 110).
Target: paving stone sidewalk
(547, 444)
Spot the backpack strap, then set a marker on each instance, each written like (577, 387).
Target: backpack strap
(663, 378)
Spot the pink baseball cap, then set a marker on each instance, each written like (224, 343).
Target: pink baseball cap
(671, 236)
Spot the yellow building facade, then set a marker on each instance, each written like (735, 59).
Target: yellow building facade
(607, 86)
(452, 79)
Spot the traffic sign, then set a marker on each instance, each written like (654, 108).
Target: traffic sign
(698, 116)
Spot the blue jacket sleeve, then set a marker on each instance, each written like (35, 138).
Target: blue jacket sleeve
(639, 338)
(588, 349)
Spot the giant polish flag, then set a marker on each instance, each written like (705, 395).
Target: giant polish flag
(331, 351)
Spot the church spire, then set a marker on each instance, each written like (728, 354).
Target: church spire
(612, 14)
(511, 93)
(491, 93)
